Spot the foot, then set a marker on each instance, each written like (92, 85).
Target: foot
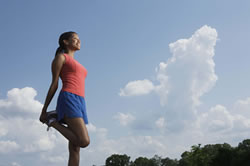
(51, 118)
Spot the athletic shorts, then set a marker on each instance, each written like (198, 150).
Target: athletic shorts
(71, 106)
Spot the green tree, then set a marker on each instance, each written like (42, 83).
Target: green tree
(185, 159)
(169, 162)
(193, 158)
(118, 160)
(143, 161)
(209, 155)
(223, 156)
(155, 161)
(242, 154)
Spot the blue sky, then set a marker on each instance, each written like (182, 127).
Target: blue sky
(127, 46)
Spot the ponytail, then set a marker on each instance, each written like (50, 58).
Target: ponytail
(59, 50)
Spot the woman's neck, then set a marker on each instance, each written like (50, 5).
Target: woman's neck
(71, 53)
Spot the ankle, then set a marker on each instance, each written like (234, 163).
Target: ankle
(54, 124)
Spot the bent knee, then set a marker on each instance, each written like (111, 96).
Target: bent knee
(84, 143)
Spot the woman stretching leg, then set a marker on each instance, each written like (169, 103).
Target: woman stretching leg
(71, 109)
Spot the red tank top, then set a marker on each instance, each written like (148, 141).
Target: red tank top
(73, 76)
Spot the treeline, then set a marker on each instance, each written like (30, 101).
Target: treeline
(209, 155)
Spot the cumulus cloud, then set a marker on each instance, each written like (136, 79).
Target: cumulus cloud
(124, 119)
(183, 78)
(29, 133)
(22, 100)
(216, 119)
(190, 71)
(221, 123)
(20, 129)
(137, 88)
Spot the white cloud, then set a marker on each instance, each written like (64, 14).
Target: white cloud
(241, 113)
(217, 119)
(183, 79)
(186, 76)
(8, 146)
(21, 100)
(220, 123)
(190, 71)
(124, 119)
(28, 133)
(137, 88)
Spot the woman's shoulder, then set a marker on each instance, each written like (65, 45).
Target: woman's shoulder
(60, 57)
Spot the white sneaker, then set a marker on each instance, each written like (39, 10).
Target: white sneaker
(51, 117)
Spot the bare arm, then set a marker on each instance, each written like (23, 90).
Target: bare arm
(56, 69)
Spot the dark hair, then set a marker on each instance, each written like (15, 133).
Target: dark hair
(64, 36)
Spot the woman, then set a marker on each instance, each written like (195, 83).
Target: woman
(70, 107)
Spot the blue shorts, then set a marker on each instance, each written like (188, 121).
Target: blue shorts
(71, 106)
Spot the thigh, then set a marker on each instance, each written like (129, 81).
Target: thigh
(78, 127)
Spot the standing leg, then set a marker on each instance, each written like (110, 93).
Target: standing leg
(77, 134)
(78, 127)
(74, 155)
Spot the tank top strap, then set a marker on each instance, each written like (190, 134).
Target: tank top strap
(66, 57)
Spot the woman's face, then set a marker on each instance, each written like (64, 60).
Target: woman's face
(74, 43)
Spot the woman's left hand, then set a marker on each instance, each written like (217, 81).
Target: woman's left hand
(43, 117)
